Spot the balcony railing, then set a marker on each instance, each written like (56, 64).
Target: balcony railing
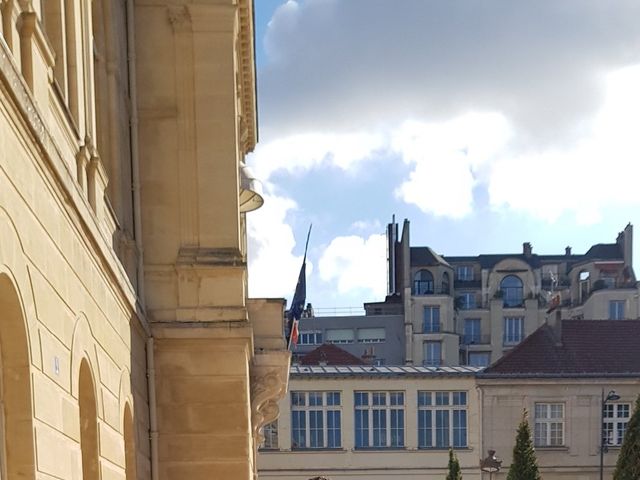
(473, 339)
(420, 290)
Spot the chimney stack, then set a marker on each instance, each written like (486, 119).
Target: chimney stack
(567, 251)
(527, 249)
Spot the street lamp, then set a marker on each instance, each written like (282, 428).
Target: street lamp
(604, 441)
(491, 464)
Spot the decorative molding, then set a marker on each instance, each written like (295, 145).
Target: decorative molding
(247, 86)
(269, 381)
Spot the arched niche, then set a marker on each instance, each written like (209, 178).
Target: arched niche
(88, 423)
(17, 454)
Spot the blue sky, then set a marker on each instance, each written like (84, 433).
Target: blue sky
(486, 124)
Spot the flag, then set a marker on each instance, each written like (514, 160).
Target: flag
(297, 305)
(299, 298)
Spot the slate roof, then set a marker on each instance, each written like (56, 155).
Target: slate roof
(425, 256)
(587, 348)
(329, 354)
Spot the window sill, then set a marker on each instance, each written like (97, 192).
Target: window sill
(559, 448)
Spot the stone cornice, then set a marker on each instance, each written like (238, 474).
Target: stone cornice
(249, 136)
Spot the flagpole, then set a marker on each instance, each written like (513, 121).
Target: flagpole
(299, 298)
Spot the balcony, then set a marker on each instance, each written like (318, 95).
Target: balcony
(426, 288)
(467, 284)
(475, 339)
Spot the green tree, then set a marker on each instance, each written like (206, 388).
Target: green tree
(454, 467)
(524, 465)
(628, 465)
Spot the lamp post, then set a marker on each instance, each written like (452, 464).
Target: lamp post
(604, 441)
(491, 464)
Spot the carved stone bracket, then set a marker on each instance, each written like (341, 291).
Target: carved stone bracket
(269, 381)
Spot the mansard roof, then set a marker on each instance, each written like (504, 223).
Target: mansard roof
(584, 348)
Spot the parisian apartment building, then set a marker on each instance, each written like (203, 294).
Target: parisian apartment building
(128, 346)
(457, 351)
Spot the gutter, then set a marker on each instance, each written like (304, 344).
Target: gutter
(137, 225)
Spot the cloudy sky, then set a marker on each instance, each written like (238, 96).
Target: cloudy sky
(485, 123)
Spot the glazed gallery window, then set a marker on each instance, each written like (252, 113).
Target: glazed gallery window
(442, 419)
(315, 420)
(379, 419)
(431, 319)
(310, 337)
(513, 330)
(549, 425)
(615, 420)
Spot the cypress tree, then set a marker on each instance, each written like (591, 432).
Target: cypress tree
(628, 464)
(524, 465)
(454, 467)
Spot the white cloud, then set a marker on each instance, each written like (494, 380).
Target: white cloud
(302, 152)
(447, 159)
(273, 268)
(600, 170)
(356, 264)
(366, 225)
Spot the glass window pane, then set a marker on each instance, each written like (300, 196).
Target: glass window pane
(425, 431)
(442, 428)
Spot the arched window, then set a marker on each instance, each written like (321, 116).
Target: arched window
(16, 423)
(445, 283)
(585, 285)
(511, 287)
(88, 424)
(423, 283)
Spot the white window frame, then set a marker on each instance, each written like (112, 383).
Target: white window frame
(314, 335)
(270, 436)
(619, 307)
(431, 362)
(469, 302)
(434, 401)
(430, 322)
(390, 404)
(467, 272)
(509, 337)
(473, 354)
(544, 417)
(308, 409)
(473, 336)
(616, 416)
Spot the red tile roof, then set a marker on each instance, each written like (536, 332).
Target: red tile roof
(329, 354)
(586, 348)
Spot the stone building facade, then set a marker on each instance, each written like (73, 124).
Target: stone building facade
(128, 346)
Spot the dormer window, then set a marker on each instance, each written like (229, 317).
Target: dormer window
(511, 287)
(423, 283)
